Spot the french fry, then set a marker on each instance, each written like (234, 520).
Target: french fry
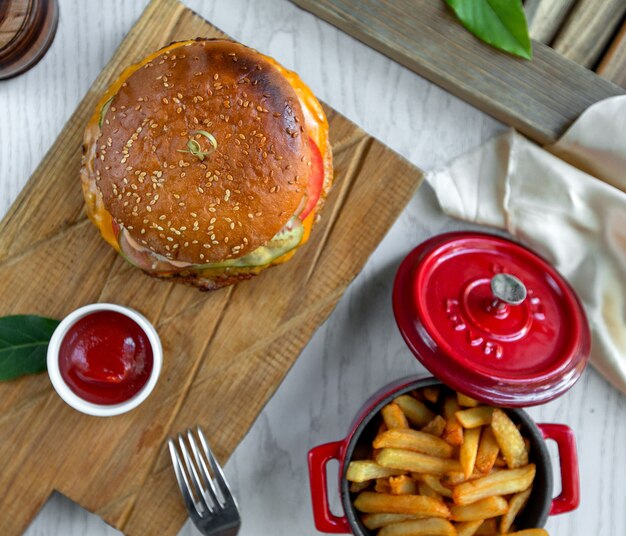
(357, 487)
(415, 411)
(409, 439)
(377, 521)
(468, 528)
(431, 394)
(488, 528)
(454, 478)
(530, 532)
(364, 470)
(509, 440)
(503, 482)
(466, 401)
(453, 432)
(408, 460)
(488, 450)
(417, 393)
(394, 417)
(382, 485)
(402, 485)
(434, 483)
(469, 449)
(427, 491)
(436, 426)
(370, 502)
(483, 509)
(475, 417)
(420, 527)
(499, 461)
(516, 504)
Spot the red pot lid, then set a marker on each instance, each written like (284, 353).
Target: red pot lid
(491, 319)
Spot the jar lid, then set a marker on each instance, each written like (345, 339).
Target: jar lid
(491, 319)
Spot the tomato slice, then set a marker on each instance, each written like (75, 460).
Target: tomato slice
(116, 228)
(316, 181)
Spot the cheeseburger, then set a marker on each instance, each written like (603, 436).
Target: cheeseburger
(206, 163)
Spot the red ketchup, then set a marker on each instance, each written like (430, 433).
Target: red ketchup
(105, 358)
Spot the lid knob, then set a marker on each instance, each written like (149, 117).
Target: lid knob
(507, 289)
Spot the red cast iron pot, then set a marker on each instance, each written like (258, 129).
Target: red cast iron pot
(540, 505)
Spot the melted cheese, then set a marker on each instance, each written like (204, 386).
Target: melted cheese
(316, 127)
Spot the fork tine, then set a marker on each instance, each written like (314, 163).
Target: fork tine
(197, 486)
(204, 470)
(217, 470)
(181, 478)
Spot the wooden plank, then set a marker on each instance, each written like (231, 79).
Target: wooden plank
(540, 98)
(588, 30)
(225, 352)
(613, 65)
(545, 17)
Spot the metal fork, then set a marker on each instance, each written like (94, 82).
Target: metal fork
(208, 499)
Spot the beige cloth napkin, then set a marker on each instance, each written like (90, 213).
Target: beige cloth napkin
(562, 211)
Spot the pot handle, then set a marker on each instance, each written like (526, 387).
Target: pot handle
(569, 499)
(325, 521)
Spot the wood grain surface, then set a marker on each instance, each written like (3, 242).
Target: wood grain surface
(225, 352)
(613, 65)
(545, 17)
(588, 30)
(540, 98)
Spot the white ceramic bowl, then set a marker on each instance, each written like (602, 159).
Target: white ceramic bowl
(100, 410)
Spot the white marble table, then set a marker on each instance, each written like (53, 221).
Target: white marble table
(358, 349)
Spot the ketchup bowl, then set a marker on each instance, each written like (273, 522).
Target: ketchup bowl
(104, 359)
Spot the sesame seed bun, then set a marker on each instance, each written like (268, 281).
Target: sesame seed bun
(201, 155)
(240, 195)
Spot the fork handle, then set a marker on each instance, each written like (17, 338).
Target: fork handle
(325, 520)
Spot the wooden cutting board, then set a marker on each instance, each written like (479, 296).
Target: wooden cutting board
(540, 98)
(226, 352)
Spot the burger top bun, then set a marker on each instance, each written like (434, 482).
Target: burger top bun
(203, 156)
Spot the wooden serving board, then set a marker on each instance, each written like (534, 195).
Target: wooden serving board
(226, 352)
(540, 98)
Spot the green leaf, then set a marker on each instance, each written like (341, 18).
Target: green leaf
(23, 344)
(500, 23)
